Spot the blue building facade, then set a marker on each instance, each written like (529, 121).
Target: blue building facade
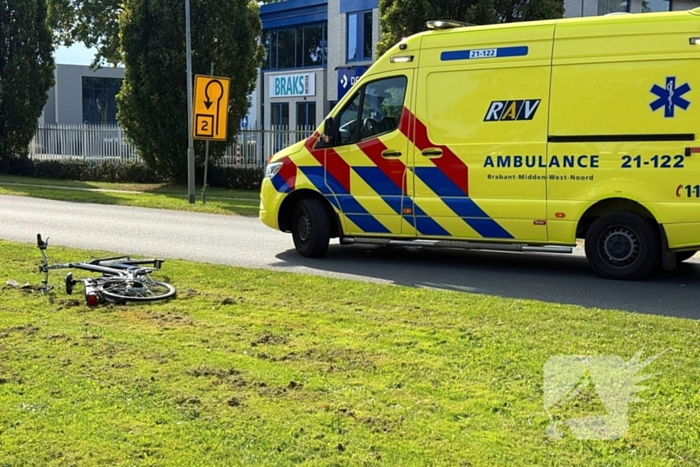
(310, 46)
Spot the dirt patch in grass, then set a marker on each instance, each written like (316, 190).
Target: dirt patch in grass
(270, 339)
(379, 424)
(335, 359)
(27, 329)
(121, 365)
(58, 337)
(67, 303)
(205, 371)
(170, 317)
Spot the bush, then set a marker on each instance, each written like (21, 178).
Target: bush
(234, 178)
(128, 172)
(120, 172)
(113, 172)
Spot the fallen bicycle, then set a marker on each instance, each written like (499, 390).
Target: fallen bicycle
(123, 279)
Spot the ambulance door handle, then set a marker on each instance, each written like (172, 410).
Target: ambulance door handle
(432, 152)
(391, 153)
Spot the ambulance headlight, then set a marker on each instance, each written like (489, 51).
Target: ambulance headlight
(272, 168)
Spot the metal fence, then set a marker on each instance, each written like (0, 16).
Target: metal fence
(99, 143)
(81, 142)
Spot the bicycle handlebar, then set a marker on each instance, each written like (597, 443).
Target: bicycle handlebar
(40, 243)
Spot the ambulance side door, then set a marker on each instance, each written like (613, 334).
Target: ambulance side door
(479, 163)
(366, 167)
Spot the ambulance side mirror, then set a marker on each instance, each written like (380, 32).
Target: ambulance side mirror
(328, 137)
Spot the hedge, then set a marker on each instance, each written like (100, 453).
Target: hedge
(131, 172)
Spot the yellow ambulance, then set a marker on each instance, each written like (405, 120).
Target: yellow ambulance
(517, 137)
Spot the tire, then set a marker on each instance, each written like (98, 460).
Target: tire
(684, 255)
(623, 246)
(121, 290)
(311, 228)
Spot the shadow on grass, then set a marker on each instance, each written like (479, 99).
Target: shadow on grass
(14, 181)
(165, 196)
(241, 202)
(60, 193)
(550, 278)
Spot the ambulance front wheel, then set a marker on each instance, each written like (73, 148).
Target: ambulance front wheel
(311, 228)
(622, 245)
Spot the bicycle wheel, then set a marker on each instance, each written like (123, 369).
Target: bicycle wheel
(121, 290)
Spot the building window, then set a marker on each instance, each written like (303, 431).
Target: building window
(300, 47)
(613, 6)
(280, 121)
(360, 36)
(280, 114)
(649, 6)
(99, 100)
(306, 115)
(306, 119)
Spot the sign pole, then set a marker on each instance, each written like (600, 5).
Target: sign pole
(190, 144)
(206, 157)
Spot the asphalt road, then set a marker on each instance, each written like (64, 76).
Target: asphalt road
(243, 241)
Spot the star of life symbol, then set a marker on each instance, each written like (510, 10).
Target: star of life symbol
(610, 380)
(670, 97)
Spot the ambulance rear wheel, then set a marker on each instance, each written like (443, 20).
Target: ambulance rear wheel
(622, 245)
(311, 228)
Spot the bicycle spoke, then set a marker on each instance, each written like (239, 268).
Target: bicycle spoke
(140, 289)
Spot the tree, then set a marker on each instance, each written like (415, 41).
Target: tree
(95, 23)
(152, 102)
(402, 18)
(26, 74)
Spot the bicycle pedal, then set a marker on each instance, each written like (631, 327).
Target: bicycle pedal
(70, 282)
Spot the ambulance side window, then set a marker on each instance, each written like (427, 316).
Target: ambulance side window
(381, 104)
(347, 121)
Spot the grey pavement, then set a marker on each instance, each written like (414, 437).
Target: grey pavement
(245, 241)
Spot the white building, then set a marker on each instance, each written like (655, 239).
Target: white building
(81, 95)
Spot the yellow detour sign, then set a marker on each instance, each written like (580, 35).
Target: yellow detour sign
(210, 107)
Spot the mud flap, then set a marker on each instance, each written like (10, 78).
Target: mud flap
(668, 258)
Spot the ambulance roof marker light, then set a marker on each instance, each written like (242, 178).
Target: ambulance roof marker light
(446, 24)
(694, 40)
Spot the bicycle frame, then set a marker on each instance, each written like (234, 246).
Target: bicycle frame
(118, 268)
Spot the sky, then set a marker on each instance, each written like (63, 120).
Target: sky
(77, 54)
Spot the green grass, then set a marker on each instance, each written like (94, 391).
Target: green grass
(162, 196)
(251, 367)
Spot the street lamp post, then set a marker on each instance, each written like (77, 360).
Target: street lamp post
(190, 145)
